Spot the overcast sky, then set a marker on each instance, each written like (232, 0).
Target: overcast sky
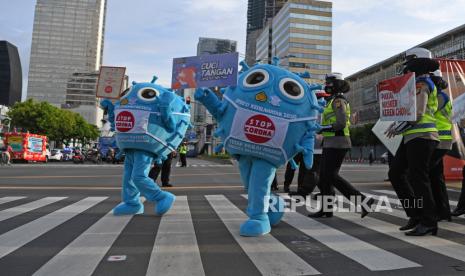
(145, 35)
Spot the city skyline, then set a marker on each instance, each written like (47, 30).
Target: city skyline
(364, 32)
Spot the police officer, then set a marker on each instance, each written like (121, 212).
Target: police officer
(336, 143)
(409, 171)
(444, 126)
(183, 154)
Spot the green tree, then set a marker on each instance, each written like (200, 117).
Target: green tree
(57, 124)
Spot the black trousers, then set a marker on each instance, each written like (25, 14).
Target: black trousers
(183, 160)
(289, 174)
(165, 169)
(438, 184)
(329, 174)
(409, 175)
(312, 177)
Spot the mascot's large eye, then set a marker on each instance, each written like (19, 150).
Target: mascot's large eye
(256, 78)
(291, 89)
(148, 94)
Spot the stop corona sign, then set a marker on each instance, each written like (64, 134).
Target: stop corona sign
(124, 121)
(259, 129)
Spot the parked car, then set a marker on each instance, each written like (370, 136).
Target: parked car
(56, 155)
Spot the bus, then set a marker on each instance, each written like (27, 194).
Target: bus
(27, 147)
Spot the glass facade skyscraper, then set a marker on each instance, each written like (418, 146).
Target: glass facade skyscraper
(10, 74)
(258, 13)
(301, 34)
(68, 37)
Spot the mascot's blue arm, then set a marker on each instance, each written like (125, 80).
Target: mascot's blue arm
(107, 105)
(211, 102)
(166, 101)
(306, 147)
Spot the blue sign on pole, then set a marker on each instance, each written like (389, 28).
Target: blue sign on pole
(205, 71)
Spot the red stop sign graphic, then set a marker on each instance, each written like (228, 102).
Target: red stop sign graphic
(259, 129)
(124, 121)
(108, 89)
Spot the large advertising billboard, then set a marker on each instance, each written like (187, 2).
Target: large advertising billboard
(205, 71)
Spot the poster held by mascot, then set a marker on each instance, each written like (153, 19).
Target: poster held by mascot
(150, 122)
(264, 121)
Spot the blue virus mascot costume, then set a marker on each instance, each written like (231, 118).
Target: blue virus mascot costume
(150, 122)
(264, 121)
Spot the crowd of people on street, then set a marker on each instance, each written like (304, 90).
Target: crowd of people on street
(416, 169)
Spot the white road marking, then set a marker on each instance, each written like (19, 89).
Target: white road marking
(21, 209)
(83, 255)
(270, 256)
(18, 237)
(176, 251)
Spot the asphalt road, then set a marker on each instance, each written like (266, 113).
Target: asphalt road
(56, 220)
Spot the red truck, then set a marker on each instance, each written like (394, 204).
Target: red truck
(27, 147)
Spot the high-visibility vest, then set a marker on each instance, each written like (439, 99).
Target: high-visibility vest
(427, 122)
(443, 118)
(183, 150)
(329, 118)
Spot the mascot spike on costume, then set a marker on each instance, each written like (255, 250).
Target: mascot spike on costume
(264, 121)
(150, 122)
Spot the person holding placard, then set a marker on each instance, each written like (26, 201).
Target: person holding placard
(409, 171)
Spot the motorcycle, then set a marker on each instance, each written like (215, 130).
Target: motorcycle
(94, 156)
(78, 157)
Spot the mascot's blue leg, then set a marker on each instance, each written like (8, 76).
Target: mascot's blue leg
(261, 176)
(140, 175)
(131, 204)
(245, 166)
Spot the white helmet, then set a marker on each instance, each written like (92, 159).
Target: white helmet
(418, 53)
(437, 73)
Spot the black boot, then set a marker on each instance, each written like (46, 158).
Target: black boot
(458, 212)
(422, 230)
(412, 223)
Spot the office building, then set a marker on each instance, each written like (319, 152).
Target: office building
(259, 12)
(11, 80)
(301, 35)
(364, 98)
(208, 46)
(80, 97)
(67, 38)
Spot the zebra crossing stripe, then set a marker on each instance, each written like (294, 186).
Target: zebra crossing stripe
(7, 199)
(176, 251)
(270, 256)
(371, 257)
(18, 237)
(432, 243)
(21, 209)
(450, 226)
(83, 255)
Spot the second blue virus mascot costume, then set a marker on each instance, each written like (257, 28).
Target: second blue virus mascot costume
(264, 121)
(150, 122)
